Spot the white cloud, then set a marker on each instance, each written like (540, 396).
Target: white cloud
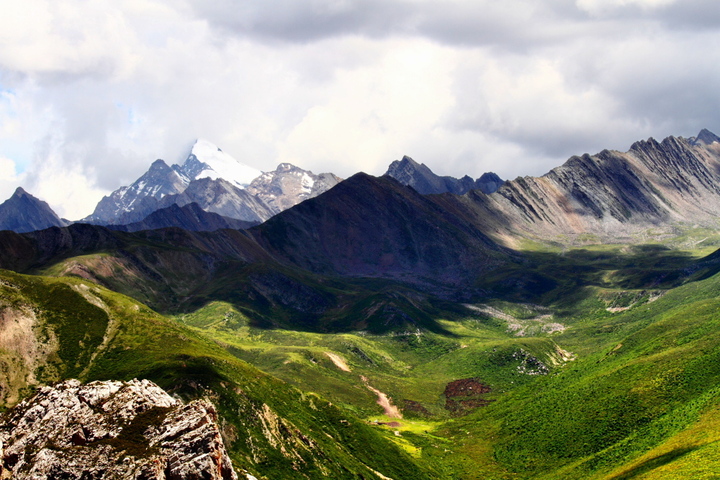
(9, 179)
(61, 183)
(371, 114)
(463, 86)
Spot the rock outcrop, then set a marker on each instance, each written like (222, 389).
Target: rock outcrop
(112, 430)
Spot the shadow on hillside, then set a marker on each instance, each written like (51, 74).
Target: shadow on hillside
(654, 463)
(278, 297)
(546, 276)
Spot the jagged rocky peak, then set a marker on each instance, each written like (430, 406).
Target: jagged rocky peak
(112, 429)
(215, 181)
(23, 212)
(419, 176)
(289, 185)
(206, 160)
(705, 137)
(489, 182)
(160, 180)
(222, 197)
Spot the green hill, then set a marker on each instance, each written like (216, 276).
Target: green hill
(56, 328)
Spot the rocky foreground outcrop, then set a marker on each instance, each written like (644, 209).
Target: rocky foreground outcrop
(112, 430)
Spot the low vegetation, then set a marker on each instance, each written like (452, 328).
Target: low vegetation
(600, 362)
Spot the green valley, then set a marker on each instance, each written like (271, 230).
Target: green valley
(558, 328)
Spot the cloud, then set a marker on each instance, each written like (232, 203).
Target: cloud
(472, 23)
(8, 177)
(602, 7)
(93, 92)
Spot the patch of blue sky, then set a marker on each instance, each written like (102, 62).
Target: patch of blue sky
(18, 152)
(133, 118)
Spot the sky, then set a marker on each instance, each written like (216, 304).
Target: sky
(93, 91)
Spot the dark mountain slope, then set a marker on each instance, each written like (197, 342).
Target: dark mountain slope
(188, 217)
(24, 213)
(158, 266)
(368, 226)
(364, 227)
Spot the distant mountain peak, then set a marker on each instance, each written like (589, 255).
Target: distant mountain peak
(23, 212)
(406, 159)
(207, 160)
(289, 185)
(159, 164)
(215, 181)
(705, 137)
(419, 176)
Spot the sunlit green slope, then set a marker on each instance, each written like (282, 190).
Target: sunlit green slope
(615, 377)
(56, 328)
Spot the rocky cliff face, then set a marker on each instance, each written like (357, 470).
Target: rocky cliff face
(609, 195)
(24, 213)
(289, 185)
(221, 197)
(112, 430)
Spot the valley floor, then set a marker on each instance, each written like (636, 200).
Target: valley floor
(614, 378)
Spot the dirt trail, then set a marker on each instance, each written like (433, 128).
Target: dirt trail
(390, 410)
(338, 361)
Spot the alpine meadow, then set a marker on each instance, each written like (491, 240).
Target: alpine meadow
(406, 326)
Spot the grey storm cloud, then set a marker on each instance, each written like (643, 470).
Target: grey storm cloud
(514, 23)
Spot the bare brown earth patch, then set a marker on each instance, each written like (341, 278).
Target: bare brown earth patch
(415, 407)
(383, 400)
(464, 395)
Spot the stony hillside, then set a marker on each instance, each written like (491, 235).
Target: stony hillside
(112, 429)
(65, 328)
(610, 195)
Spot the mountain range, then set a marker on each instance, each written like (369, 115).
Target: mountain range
(419, 176)
(219, 184)
(402, 326)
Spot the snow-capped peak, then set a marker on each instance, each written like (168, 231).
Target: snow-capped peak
(211, 162)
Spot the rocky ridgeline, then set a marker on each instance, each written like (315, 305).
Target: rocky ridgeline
(217, 183)
(419, 176)
(112, 430)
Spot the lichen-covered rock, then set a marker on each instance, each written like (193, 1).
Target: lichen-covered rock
(112, 430)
